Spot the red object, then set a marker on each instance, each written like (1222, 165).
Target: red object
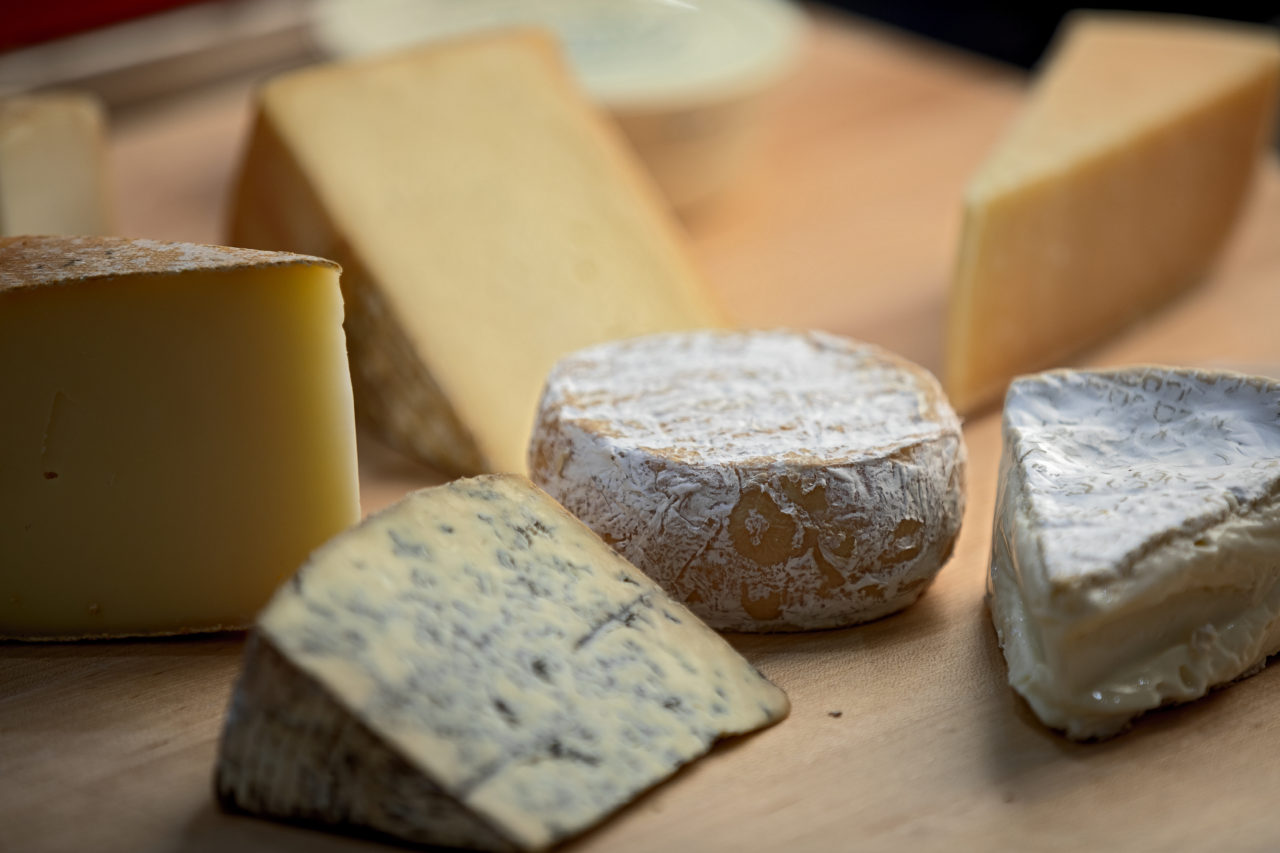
(25, 23)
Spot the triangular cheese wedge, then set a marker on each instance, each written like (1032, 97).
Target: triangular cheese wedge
(487, 220)
(474, 667)
(1113, 191)
(1135, 559)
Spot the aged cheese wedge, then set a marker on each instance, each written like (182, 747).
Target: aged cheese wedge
(1114, 190)
(772, 481)
(487, 220)
(53, 165)
(177, 432)
(1135, 558)
(473, 667)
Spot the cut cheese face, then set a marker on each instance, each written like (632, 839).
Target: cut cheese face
(473, 667)
(53, 165)
(1136, 550)
(1114, 191)
(487, 221)
(771, 480)
(177, 434)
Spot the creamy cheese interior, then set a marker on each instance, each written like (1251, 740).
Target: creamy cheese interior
(172, 445)
(1136, 547)
(1089, 667)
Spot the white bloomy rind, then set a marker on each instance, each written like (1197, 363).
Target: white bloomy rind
(1136, 547)
(771, 480)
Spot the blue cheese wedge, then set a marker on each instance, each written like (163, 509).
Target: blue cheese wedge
(1136, 549)
(474, 667)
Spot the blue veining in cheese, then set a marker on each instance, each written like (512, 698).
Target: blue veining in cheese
(502, 651)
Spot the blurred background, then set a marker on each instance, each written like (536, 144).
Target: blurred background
(1019, 33)
(243, 33)
(684, 78)
(816, 153)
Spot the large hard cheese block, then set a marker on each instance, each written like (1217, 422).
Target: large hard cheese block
(474, 667)
(53, 165)
(773, 481)
(487, 221)
(1112, 192)
(1136, 552)
(177, 432)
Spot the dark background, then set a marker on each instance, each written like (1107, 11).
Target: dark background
(1019, 33)
(1012, 32)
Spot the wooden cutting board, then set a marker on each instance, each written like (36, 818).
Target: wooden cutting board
(903, 733)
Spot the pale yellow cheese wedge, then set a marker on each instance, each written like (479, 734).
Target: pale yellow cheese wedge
(53, 167)
(177, 433)
(1113, 192)
(488, 221)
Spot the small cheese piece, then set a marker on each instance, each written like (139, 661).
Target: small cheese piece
(1135, 558)
(488, 221)
(53, 165)
(473, 667)
(772, 481)
(177, 432)
(1114, 190)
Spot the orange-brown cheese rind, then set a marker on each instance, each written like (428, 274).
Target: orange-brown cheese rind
(770, 480)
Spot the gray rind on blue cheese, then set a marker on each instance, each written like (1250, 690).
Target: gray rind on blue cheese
(1136, 545)
(290, 750)
(505, 653)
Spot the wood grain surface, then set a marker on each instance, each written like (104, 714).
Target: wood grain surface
(903, 733)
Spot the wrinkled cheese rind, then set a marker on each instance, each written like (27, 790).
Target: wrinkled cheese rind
(1136, 549)
(510, 657)
(773, 481)
(30, 262)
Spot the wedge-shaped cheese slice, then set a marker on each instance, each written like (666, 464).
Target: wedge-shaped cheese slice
(473, 667)
(176, 432)
(1135, 558)
(487, 220)
(53, 170)
(1114, 190)
(771, 480)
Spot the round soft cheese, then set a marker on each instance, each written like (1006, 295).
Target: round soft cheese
(771, 480)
